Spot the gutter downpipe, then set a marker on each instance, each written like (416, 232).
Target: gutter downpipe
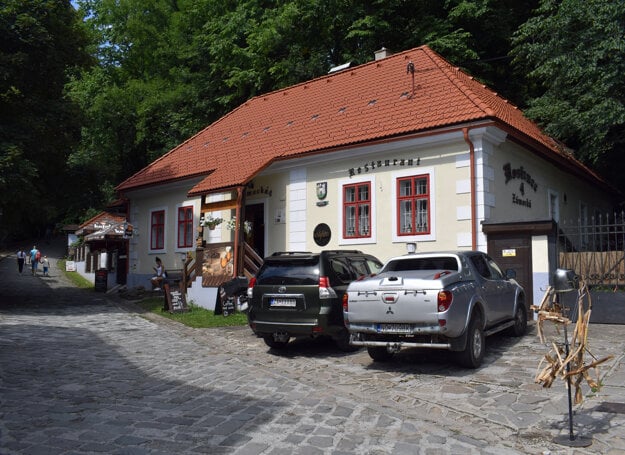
(465, 132)
(237, 231)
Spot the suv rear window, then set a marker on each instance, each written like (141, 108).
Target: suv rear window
(303, 272)
(365, 266)
(341, 270)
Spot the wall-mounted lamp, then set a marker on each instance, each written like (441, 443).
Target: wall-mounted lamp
(411, 248)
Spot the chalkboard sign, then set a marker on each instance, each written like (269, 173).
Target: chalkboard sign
(176, 301)
(227, 306)
(101, 277)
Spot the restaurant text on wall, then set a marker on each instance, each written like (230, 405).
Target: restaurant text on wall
(375, 164)
(526, 179)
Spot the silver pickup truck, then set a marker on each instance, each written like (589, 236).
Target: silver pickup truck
(449, 300)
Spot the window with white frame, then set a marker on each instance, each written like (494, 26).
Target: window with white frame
(157, 230)
(413, 205)
(185, 227)
(357, 210)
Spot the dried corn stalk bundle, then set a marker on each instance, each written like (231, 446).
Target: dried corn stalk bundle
(549, 310)
(556, 362)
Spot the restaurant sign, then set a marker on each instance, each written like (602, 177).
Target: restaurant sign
(526, 181)
(322, 234)
(376, 164)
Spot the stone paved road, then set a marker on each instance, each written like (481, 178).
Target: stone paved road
(82, 372)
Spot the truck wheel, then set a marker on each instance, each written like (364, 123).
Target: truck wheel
(379, 353)
(272, 343)
(473, 353)
(342, 342)
(520, 321)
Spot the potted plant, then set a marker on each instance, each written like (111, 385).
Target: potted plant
(231, 224)
(211, 222)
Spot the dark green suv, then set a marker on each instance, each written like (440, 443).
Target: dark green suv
(299, 294)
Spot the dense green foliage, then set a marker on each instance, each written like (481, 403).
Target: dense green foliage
(575, 51)
(164, 69)
(41, 44)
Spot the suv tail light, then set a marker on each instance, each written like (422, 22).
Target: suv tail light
(444, 300)
(250, 287)
(345, 302)
(325, 290)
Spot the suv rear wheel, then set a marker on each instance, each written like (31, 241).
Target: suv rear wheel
(273, 343)
(342, 341)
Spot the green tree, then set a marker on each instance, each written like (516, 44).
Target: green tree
(41, 44)
(574, 51)
(489, 26)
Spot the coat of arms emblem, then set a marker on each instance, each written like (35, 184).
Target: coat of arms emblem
(322, 190)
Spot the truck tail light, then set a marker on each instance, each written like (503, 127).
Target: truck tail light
(325, 290)
(250, 288)
(345, 302)
(444, 300)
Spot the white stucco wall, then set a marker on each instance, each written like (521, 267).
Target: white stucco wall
(535, 204)
(142, 203)
(443, 158)
(292, 209)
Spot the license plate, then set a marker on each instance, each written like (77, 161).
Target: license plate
(289, 303)
(394, 328)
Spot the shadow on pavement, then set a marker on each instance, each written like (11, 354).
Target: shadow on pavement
(66, 388)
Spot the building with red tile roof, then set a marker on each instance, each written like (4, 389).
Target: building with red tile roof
(405, 148)
(103, 246)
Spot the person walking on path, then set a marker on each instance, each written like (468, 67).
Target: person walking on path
(35, 256)
(21, 258)
(46, 265)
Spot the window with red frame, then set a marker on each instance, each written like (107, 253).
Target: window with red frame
(157, 230)
(413, 205)
(185, 227)
(357, 210)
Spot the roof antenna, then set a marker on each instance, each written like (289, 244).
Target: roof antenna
(410, 69)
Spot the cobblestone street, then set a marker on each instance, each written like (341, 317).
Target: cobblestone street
(83, 372)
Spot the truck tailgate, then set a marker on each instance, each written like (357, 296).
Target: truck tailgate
(392, 305)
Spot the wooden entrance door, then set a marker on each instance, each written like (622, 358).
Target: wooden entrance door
(514, 251)
(255, 214)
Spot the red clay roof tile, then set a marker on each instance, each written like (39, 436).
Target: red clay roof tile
(377, 100)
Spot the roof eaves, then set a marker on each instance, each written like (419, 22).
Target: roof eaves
(161, 182)
(201, 188)
(103, 216)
